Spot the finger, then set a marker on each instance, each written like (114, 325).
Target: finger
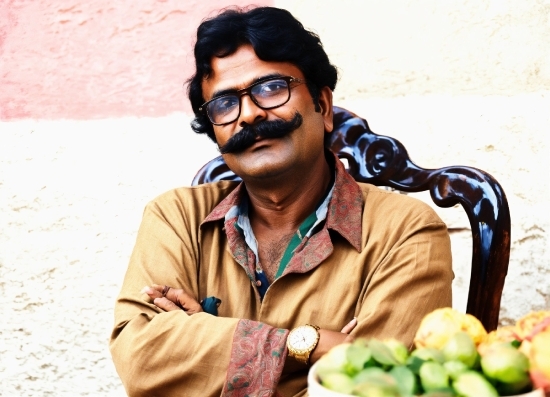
(152, 291)
(164, 291)
(349, 326)
(178, 297)
(173, 294)
(166, 304)
(186, 301)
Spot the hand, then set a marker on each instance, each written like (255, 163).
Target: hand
(329, 339)
(170, 299)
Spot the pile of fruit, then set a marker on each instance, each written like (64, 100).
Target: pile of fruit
(454, 356)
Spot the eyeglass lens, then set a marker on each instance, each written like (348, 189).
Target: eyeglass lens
(266, 94)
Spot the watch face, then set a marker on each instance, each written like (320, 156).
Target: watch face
(302, 338)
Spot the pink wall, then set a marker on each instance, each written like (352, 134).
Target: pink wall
(77, 59)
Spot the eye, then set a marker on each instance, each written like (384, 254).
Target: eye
(223, 105)
(270, 88)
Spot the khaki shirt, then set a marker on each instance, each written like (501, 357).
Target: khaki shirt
(381, 257)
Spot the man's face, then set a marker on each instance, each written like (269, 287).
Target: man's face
(267, 157)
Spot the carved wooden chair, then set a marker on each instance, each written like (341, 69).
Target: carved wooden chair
(383, 161)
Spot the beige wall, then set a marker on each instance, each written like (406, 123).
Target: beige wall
(418, 47)
(457, 82)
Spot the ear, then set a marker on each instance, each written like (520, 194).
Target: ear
(325, 104)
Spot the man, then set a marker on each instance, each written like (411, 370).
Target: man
(299, 248)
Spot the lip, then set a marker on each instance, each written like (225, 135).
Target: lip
(261, 142)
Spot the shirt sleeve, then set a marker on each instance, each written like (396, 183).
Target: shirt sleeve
(159, 353)
(412, 278)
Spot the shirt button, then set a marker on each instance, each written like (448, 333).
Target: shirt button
(259, 283)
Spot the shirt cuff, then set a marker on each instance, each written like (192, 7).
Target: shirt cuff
(258, 356)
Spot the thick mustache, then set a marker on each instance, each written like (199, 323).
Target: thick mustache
(246, 137)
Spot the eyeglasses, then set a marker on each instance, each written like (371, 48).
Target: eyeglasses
(266, 94)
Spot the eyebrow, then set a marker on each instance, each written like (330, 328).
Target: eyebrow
(256, 80)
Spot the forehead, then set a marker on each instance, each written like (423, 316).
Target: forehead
(241, 69)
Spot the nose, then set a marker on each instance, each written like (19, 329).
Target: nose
(250, 112)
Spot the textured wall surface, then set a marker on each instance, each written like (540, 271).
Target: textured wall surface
(70, 205)
(457, 82)
(88, 92)
(457, 47)
(88, 59)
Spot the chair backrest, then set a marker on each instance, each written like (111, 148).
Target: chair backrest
(383, 161)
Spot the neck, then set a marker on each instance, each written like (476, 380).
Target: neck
(283, 204)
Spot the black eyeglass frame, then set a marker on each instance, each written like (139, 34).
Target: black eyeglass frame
(247, 91)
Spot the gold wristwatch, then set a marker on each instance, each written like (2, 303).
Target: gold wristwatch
(301, 341)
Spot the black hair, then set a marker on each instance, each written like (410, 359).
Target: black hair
(274, 34)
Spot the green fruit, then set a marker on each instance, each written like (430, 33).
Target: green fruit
(505, 364)
(422, 355)
(509, 389)
(338, 382)
(477, 364)
(357, 357)
(473, 384)
(367, 390)
(433, 376)
(455, 368)
(405, 379)
(372, 374)
(336, 356)
(414, 364)
(334, 361)
(429, 354)
(382, 353)
(398, 349)
(461, 347)
(376, 389)
(440, 393)
(375, 382)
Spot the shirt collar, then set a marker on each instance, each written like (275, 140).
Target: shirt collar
(344, 210)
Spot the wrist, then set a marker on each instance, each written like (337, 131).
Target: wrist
(327, 340)
(302, 341)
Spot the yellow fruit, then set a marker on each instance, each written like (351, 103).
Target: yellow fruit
(535, 331)
(473, 327)
(539, 327)
(531, 325)
(525, 347)
(437, 327)
(504, 334)
(525, 325)
(540, 352)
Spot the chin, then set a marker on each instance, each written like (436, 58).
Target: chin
(253, 165)
(263, 173)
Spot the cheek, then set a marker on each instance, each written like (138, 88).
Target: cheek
(315, 126)
(221, 134)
